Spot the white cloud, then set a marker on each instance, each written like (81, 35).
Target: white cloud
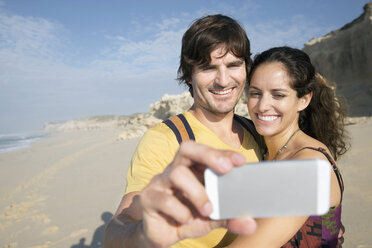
(168, 23)
(29, 49)
(33, 37)
(160, 49)
(36, 81)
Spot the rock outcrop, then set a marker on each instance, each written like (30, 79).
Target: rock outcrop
(136, 125)
(96, 122)
(170, 105)
(344, 56)
(131, 126)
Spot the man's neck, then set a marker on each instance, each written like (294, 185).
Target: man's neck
(222, 125)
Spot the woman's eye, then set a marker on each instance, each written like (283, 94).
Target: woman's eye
(254, 94)
(279, 96)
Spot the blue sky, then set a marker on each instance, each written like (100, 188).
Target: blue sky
(70, 59)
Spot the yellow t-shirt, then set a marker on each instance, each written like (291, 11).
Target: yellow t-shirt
(156, 151)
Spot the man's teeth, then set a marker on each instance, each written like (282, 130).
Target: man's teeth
(267, 118)
(221, 92)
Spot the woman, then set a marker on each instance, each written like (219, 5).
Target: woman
(297, 113)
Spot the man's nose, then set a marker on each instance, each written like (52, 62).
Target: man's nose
(222, 77)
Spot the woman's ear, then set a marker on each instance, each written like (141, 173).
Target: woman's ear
(304, 101)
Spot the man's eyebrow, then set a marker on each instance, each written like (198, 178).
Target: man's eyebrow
(207, 66)
(236, 62)
(211, 66)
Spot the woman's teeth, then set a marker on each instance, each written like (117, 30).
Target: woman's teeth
(267, 117)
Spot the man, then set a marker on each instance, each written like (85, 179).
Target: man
(165, 200)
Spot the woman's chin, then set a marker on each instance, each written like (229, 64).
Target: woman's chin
(264, 131)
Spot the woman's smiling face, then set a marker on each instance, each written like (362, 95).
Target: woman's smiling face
(273, 105)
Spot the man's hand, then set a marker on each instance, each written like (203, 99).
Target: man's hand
(175, 204)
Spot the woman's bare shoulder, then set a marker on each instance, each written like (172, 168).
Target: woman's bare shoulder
(302, 148)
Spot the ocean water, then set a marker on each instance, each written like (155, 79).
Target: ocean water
(12, 142)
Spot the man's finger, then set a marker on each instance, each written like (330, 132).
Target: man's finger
(242, 226)
(162, 202)
(238, 226)
(183, 179)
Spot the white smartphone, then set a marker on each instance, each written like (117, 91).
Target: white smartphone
(270, 188)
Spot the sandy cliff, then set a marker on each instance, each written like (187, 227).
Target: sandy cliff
(344, 56)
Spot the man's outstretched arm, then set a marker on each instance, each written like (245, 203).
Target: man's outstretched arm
(174, 205)
(125, 228)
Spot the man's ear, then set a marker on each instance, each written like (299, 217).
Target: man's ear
(304, 101)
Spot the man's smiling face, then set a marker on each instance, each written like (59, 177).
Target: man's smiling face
(218, 86)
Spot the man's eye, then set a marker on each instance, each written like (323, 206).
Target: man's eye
(207, 67)
(279, 96)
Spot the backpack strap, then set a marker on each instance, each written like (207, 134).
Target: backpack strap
(180, 127)
(248, 125)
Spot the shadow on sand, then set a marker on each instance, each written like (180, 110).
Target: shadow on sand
(97, 240)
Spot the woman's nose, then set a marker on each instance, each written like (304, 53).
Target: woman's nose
(264, 104)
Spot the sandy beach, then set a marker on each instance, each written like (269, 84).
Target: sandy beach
(62, 190)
